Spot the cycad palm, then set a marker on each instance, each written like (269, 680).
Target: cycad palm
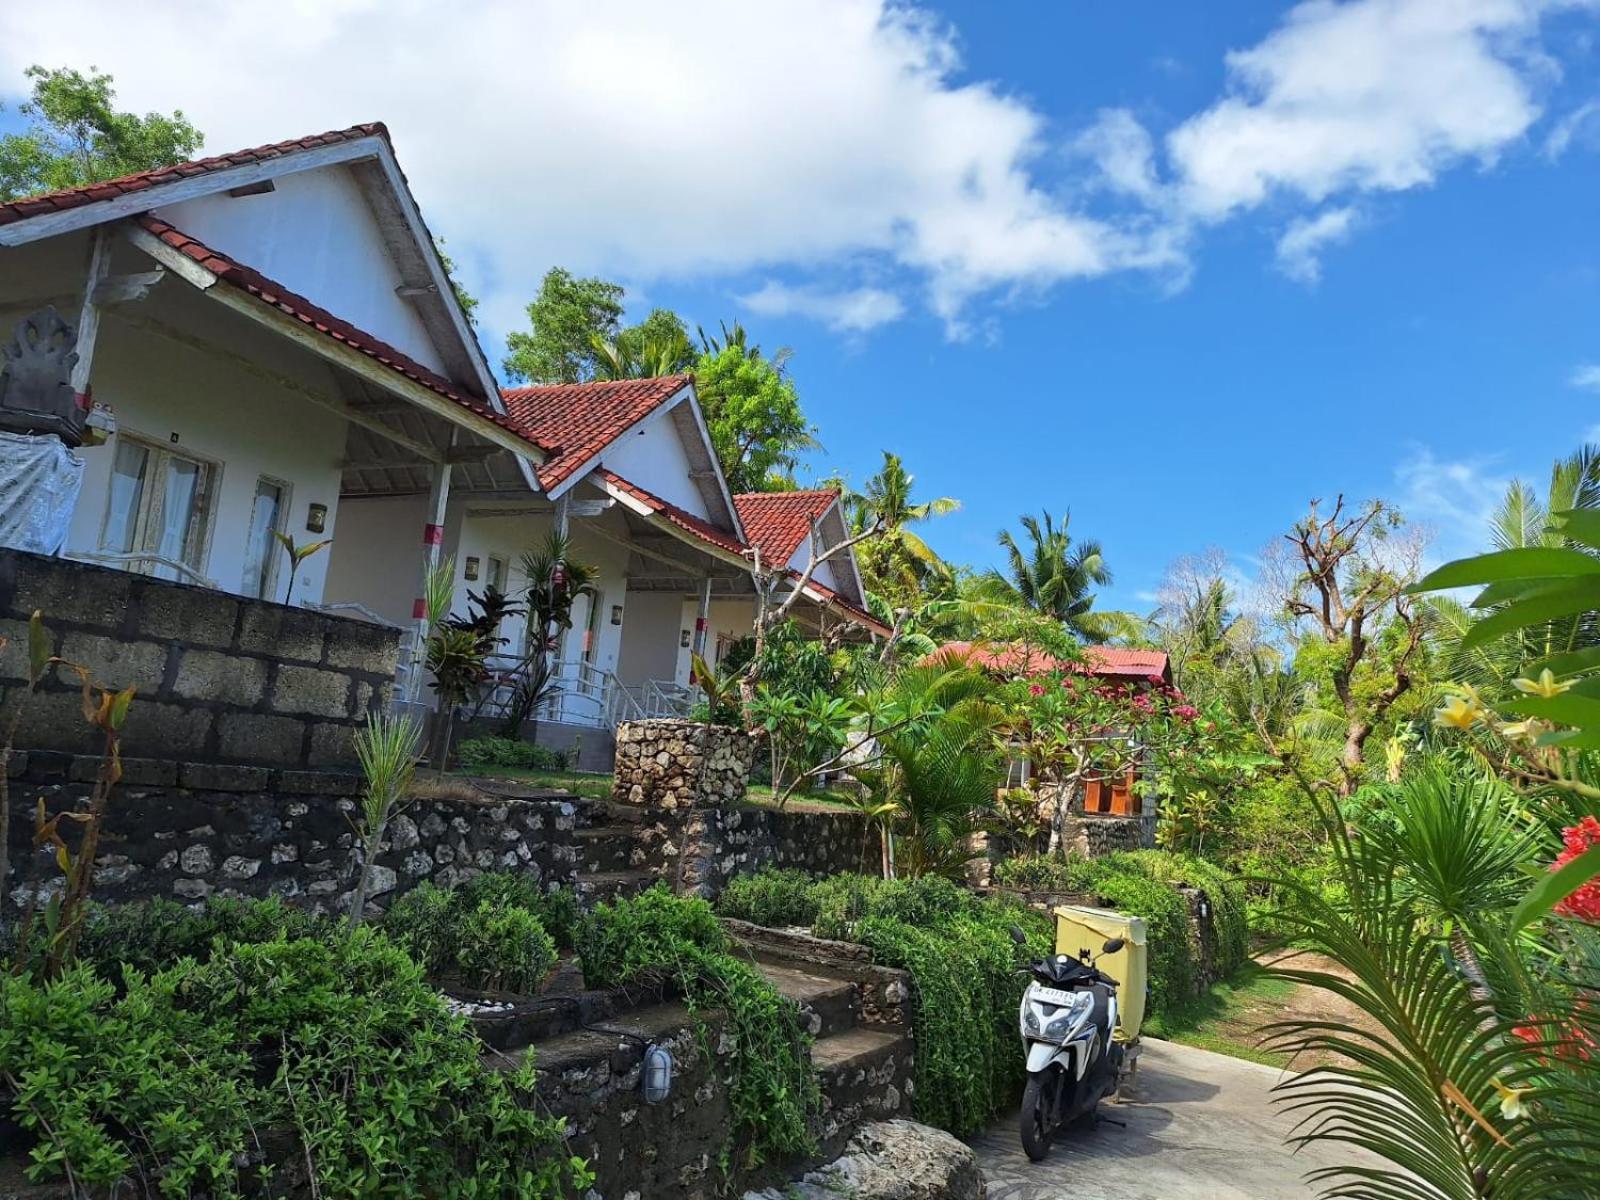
(1053, 575)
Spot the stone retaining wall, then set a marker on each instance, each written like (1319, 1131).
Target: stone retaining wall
(701, 849)
(672, 764)
(220, 678)
(185, 831)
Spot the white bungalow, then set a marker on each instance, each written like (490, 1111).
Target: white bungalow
(272, 336)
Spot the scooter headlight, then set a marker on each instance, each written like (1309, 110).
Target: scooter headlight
(1030, 1018)
(1062, 1024)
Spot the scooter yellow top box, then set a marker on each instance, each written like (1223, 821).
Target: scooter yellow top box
(1083, 928)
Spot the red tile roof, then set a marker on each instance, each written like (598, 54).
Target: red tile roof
(860, 615)
(723, 540)
(778, 522)
(699, 527)
(324, 322)
(579, 420)
(33, 206)
(1110, 662)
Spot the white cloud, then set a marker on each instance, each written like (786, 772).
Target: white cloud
(856, 310)
(1581, 125)
(1300, 248)
(806, 140)
(1123, 152)
(1456, 498)
(638, 139)
(1371, 95)
(1586, 377)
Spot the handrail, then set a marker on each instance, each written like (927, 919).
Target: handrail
(351, 606)
(160, 560)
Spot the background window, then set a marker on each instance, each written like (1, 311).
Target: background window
(262, 551)
(160, 505)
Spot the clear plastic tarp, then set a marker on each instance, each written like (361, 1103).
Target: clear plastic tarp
(39, 483)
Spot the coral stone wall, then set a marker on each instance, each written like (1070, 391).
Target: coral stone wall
(699, 851)
(186, 831)
(680, 764)
(220, 678)
(1095, 836)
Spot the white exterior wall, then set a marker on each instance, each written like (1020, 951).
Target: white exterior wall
(654, 624)
(653, 457)
(377, 559)
(316, 235)
(200, 405)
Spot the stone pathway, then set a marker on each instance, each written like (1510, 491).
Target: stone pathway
(1201, 1127)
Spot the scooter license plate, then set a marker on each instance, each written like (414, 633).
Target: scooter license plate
(1052, 995)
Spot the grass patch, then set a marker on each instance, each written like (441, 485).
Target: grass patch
(1227, 1017)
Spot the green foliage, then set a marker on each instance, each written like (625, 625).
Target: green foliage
(1051, 575)
(1144, 883)
(774, 898)
(565, 318)
(658, 936)
(508, 752)
(152, 935)
(334, 1053)
(490, 932)
(76, 136)
(753, 414)
(963, 963)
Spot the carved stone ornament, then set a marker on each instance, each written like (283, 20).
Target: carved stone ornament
(36, 393)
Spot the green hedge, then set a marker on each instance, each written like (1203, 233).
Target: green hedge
(962, 961)
(1143, 883)
(334, 1051)
(508, 752)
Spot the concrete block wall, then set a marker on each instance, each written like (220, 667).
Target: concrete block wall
(220, 678)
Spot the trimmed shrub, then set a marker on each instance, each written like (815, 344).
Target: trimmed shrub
(152, 935)
(489, 932)
(774, 898)
(508, 752)
(336, 1053)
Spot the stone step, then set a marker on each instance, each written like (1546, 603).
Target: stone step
(605, 847)
(828, 1004)
(865, 1075)
(596, 886)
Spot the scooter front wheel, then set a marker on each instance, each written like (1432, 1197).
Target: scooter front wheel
(1038, 1119)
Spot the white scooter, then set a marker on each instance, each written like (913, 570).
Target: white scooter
(1068, 1014)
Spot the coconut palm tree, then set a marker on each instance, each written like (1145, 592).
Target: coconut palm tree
(899, 565)
(1053, 575)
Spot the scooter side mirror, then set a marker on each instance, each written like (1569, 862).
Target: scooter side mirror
(1018, 936)
(1113, 945)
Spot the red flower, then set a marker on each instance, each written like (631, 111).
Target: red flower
(1584, 904)
(1035, 690)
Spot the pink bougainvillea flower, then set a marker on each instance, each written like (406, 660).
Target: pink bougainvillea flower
(1583, 904)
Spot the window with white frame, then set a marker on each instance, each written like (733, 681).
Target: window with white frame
(262, 552)
(496, 577)
(159, 507)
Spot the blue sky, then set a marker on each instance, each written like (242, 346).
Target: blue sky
(1177, 268)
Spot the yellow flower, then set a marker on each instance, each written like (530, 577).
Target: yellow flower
(1459, 713)
(1521, 731)
(1545, 687)
(1511, 1102)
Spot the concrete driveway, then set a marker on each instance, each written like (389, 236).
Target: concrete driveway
(1200, 1128)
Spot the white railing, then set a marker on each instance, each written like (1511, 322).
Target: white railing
(663, 699)
(580, 693)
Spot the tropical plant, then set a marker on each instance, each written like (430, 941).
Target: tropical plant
(1052, 575)
(387, 748)
(298, 553)
(1465, 1079)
